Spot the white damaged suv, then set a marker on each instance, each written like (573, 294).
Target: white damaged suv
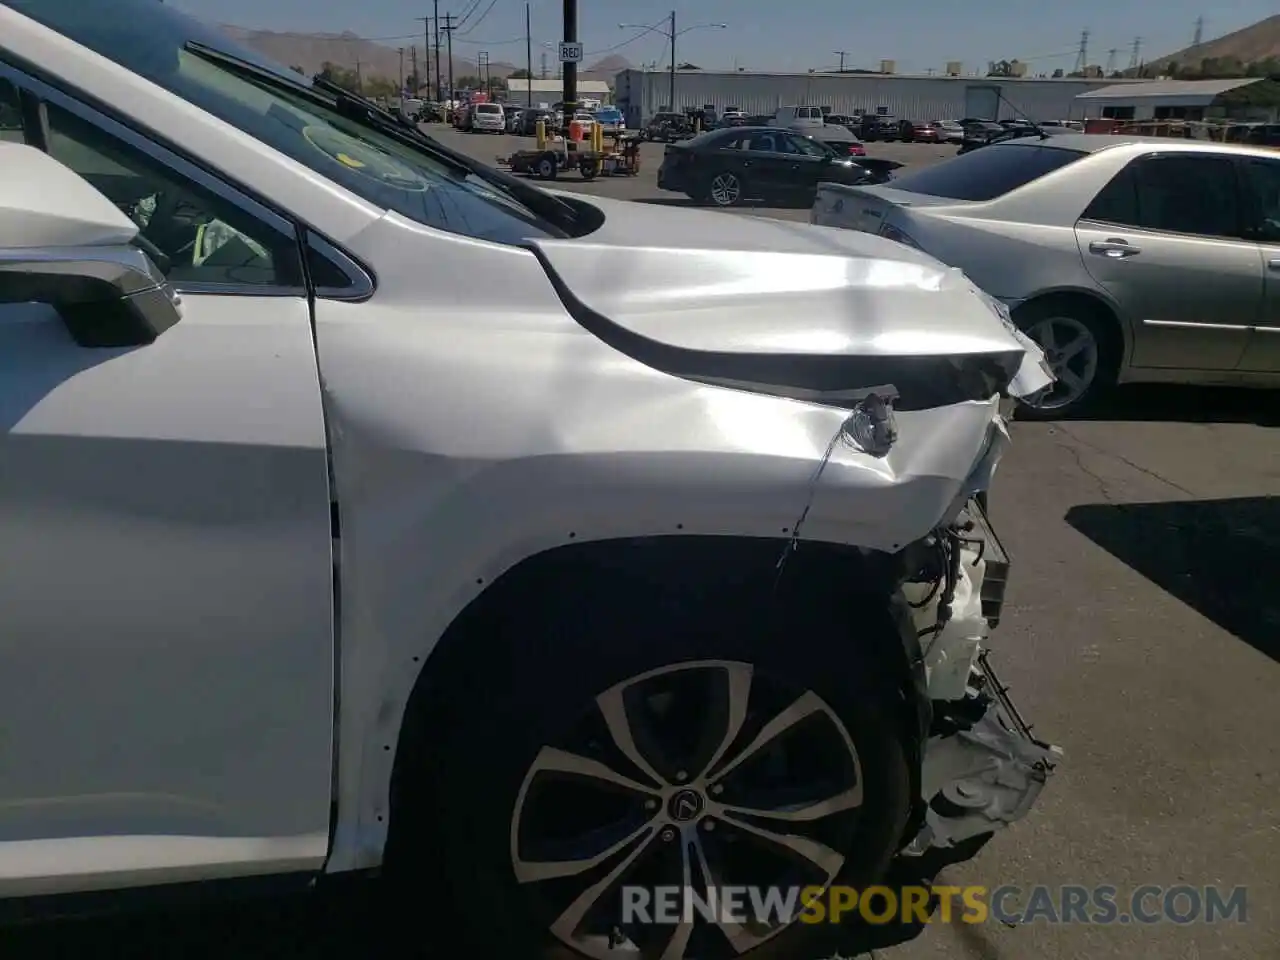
(659, 560)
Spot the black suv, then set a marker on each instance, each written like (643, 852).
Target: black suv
(879, 127)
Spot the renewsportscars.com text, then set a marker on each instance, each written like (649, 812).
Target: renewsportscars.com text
(1010, 905)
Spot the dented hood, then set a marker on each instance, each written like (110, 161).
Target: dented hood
(744, 298)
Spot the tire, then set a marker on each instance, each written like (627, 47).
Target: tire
(724, 189)
(550, 686)
(588, 169)
(1095, 365)
(547, 168)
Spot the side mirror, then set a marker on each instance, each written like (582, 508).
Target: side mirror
(64, 244)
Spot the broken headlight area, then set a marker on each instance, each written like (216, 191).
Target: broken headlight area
(981, 769)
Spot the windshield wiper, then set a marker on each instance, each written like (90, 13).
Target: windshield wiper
(368, 114)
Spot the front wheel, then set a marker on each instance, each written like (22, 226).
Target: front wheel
(547, 168)
(1082, 349)
(695, 750)
(725, 189)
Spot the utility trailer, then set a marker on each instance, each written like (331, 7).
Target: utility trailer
(621, 158)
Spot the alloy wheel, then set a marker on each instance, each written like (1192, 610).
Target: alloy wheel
(696, 776)
(1071, 350)
(726, 190)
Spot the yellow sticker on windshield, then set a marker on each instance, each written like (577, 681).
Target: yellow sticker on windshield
(350, 161)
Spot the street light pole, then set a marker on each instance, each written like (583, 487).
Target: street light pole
(671, 92)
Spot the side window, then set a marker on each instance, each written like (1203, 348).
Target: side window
(1189, 194)
(1263, 197)
(1180, 193)
(1117, 202)
(195, 236)
(10, 113)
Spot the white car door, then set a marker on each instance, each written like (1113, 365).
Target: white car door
(166, 582)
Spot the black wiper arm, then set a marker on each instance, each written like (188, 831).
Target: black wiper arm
(369, 114)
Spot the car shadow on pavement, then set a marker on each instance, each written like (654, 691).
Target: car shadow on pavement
(1213, 555)
(1168, 403)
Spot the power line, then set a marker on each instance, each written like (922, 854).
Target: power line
(482, 16)
(468, 12)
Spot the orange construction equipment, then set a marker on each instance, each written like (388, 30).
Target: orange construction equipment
(576, 131)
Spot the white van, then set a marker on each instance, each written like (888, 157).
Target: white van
(799, 118)
(488, 117)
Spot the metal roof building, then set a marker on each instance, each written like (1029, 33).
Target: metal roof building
(1236, 99)
(550, 91)
(642, 93)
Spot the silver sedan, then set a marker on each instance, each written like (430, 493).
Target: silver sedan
(1126, 258)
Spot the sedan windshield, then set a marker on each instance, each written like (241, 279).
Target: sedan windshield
(150, 39)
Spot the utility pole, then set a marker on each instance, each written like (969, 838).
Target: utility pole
(1199, 34)
(671, 91)
(528, 59)
(1082, 57)
(543, 71)
(426, 56)
(448, 28)
(435, 20)
(569, 90)
(417, 77)
(359, 79)
(842, 54)
(1135, 55)
(482, 68)
(401, 52)
(1111, 61)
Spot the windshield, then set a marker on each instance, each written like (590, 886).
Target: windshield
(987, 173)
(148, 38)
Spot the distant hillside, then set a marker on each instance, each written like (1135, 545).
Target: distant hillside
(311, 51)
(1254, 44)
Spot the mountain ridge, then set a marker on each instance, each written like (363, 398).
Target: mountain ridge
(311, 51)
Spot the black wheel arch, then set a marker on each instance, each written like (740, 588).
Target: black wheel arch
(816, 575)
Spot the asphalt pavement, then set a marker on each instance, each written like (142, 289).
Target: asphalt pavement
(1142, 633)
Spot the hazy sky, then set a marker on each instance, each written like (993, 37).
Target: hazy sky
(771, 35)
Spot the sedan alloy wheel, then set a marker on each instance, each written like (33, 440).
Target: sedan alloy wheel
(695, 776)
(1071, 350)
(725, 189)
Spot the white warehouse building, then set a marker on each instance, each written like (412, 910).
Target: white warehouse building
(641, 93)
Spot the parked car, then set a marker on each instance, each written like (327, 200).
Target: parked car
(527, 126)
(486, 118)
(951, 130)
(879, 127)
(308, 553)
(610, 120)
(980, 133)
(666, 127)
(921, 131)
(733, 117)
(841, 140)
(1127, 259)
(802, 118)
(728, 167)
(841, 120)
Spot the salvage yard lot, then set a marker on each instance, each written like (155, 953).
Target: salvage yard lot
(1142, 633)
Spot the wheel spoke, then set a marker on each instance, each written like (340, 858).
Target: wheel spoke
(847, 800)
(1072, 380)
(1074, 348)
(1043, 334)
(807, 705)
(738, 676)
(739, 937)
(533, 871)
(554, 760)
(684, 929)
(819, 854)
(614, 710)
(566, 925)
